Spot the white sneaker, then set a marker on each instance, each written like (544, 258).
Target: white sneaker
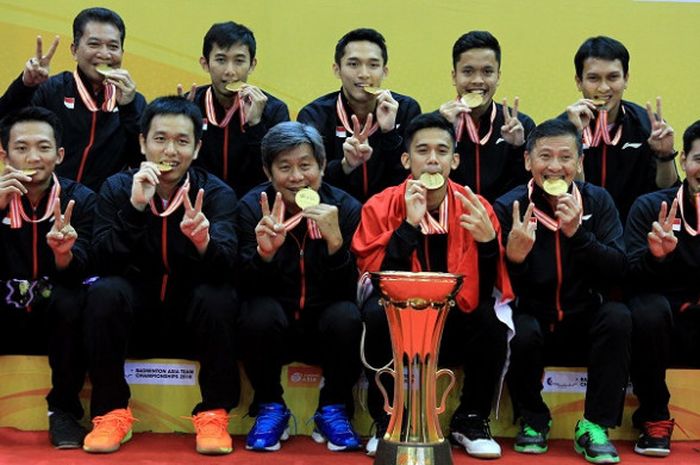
(371, 446)
(473, 433)
(479, 448)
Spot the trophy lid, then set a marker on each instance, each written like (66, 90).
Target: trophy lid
(408, 285)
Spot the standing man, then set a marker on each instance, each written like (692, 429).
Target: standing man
(447, 228)
(97, 103)
(362, 124)
(298, 281)
(164, 243)
(235, 120)
(563, 255)
(43, 261)
(628, 150)
(664, 251)
(490, 136)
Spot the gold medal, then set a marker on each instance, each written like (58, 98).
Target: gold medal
(2, 166)
(472, 99)
(599, 103)
(164, 167)
(306, 198)
(432, 181)
(29, 171)
(235, 86)
(555, 187)
(104, 70)
(373, 90)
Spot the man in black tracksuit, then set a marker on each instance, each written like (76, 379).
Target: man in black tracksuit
(235, 122)
(362, 131)
(43, 261)
(100, 113)
(628, 149)
(490, 137)
(164, 243)
(298, 281)
(563, 257)
(664, 256)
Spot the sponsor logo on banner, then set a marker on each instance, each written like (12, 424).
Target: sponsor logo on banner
(181, 374)
(303, 376)
(568, 381)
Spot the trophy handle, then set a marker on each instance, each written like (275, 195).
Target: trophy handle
(387, 408)
(444, 371)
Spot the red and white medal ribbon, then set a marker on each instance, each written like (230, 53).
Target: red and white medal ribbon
(345, 120)
(17, 213)
(688, 228)
(465, 120)
(176, 202)
(601, 131)
(551, 223)
(211, 111)
(110, 101)
(430, 225)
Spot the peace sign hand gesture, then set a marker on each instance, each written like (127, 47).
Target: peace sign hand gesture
(189, 95)
(194, 225)
(475, 219)
(512, 131)
(661, 239)
(62, 235)
(356, 150)
(36, 70)
(269, 232)
(521, 237)
(661, 137)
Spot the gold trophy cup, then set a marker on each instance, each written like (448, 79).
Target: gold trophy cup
(416, 306)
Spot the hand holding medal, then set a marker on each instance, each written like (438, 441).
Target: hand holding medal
(324, 216)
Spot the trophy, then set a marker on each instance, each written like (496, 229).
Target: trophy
(416, 307)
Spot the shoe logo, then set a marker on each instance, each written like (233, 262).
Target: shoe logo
(631, 145)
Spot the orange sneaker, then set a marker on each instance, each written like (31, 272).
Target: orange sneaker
(211, 427)
(109, 431)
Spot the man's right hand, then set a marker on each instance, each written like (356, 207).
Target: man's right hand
(356, 149)
(269, 232)
(143, 187)
(452, 109)
(36, 70)
(10, 184)
(521, 237)
(581, 113)
(661, 239)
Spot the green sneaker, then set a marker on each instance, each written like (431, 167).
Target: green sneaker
(531, 441)
(592, 441)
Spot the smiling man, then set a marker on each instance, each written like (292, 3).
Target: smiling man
(664, 251)
(490, 136)
(100, 110)
(564, 251)
(236, 120)
(164, 243)
(44, 247)
(298, 281)
(362, 124)
(628, 149)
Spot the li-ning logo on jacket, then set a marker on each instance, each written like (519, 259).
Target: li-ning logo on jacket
(631, 145)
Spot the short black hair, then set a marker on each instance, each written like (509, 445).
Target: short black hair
(359, 35)
(97, 15)
(475, 39)
(554, 128)
(289, 135)
(691, 134)
(28, 114)
(227, 34)
(172, 105)
(604, 48)
(425, 121)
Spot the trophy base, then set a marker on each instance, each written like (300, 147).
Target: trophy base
(408, 453)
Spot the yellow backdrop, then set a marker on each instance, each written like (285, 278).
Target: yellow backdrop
(296, 39)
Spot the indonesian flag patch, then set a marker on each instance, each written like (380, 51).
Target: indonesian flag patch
(69, 102)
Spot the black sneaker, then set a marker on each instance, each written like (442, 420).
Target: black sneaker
(655, 438)
(64, 430)
(531, 441)
(591, 440)
(380, 425)
(473, 433)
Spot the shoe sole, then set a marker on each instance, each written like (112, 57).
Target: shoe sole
(461, 440)
(652, 452)
(320, 439)
(219, 451)
(530, 449)
(601, 459)
(67, 446)
(274, 447)
(127, 437)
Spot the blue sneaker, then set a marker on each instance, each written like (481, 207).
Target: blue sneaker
(271, 426)
(333, 425)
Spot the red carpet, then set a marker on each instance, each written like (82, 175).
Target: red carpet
(32, 448)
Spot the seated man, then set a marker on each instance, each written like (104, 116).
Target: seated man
(664, 252)
(43, 260)
(165, 243)
(490, 136)
(563, 255)
(235, 121)
(362, 124)
(298, 281)
(97, 103)
(628, 150)
(448, 229)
